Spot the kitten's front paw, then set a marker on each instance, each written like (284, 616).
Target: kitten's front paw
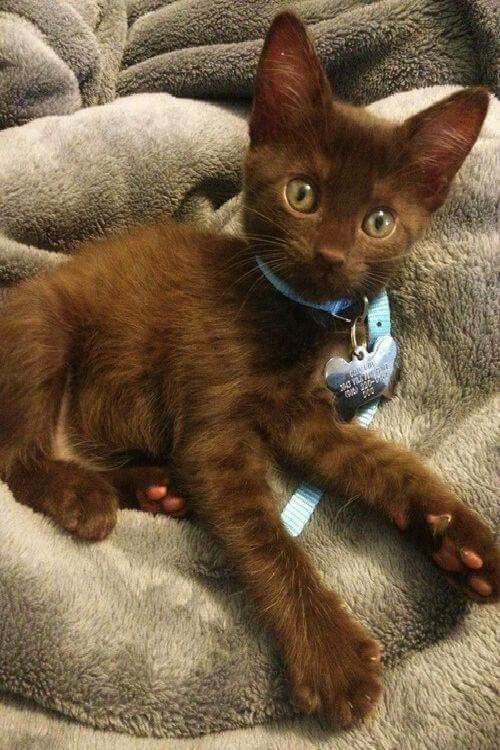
(466, 550)
(335, 673)
(462, 545)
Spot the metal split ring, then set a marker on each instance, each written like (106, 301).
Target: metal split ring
(358, 349)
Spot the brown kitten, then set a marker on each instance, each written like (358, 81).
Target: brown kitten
(168, 341)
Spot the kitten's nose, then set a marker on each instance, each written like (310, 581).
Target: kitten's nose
(336, 257)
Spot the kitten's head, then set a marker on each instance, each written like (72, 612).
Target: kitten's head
(334, 196)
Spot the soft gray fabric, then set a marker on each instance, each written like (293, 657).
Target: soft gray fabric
(146, 632)
(209, 48)
(59, 55)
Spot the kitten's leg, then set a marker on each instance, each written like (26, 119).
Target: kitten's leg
(332, 661)
(80, 501)
(36, 339)
(147, 488)
(349, 458)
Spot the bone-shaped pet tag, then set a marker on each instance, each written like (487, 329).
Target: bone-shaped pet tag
(365, 378)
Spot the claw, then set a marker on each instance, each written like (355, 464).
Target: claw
(439, 524)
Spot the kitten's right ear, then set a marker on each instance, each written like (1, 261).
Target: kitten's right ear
(290, 81)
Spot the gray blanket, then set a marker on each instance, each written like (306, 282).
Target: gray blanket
(147, 632)
(59, 55)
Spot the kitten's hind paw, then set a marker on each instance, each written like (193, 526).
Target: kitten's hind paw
(147, 488)
(85, 505)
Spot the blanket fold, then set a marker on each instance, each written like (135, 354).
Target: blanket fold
(60, 55)
(370, 50)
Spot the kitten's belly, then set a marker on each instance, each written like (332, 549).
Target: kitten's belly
(105, 418)
(64, 441)
(96, 433)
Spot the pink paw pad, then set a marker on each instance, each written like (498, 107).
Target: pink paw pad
(156, 493)
(480, 586)
(399, 519)
(454, 558)
(447, 557)
(159, 501)
(440, 523)
(471, 559)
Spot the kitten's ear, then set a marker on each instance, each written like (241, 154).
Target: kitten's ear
(440, 137)
(290, 81)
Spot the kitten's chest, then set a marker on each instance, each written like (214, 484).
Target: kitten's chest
(308, 376)
(337, 347)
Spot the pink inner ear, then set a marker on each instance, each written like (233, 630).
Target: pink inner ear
(443, 136)
(289, 79)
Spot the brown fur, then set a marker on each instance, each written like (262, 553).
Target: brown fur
(168, 343)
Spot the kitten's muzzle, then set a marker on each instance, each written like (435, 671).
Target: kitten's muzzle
(332, 256)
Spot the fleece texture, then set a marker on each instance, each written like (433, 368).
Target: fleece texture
(60, 55)
(147, 632)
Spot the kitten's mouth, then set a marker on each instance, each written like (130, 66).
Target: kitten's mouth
(355, 280)
(321, 284)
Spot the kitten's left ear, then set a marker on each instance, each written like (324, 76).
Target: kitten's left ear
(439, 138)
(290, 83)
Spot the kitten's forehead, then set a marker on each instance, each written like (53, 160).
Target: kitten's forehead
(354, 139)
(343, 145)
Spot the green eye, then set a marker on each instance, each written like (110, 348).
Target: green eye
(379, 223)
(301, 196)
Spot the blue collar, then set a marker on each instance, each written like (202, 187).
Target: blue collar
(301, 505)
(334, 306)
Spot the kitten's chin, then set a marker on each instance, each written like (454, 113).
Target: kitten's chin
(357, 281)
(323, 289)
(324, 285)
(356, 289)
